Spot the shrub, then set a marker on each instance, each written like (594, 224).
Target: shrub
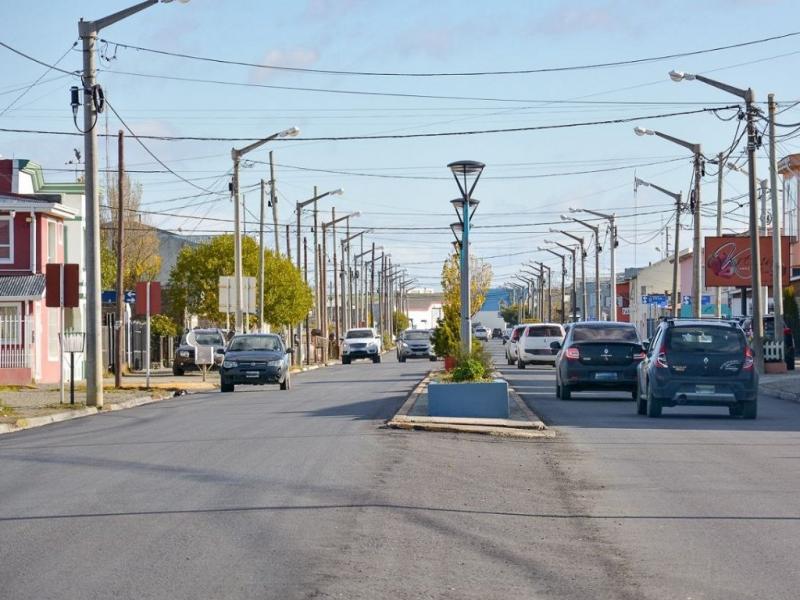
(469, 369)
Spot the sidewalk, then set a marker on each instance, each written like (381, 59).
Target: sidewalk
(784, 385)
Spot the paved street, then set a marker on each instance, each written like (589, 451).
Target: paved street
(263, 494)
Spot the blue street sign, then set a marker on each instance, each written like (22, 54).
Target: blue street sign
(687, 300)
(705, 300)
(130, 297)
(110, 297)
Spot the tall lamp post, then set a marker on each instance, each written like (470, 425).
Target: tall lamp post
(466, 173)
(236, 156)
(563, 258)
(537, 272)
(582, 247)
(92, 106)
(332, 224)
(612, 228)
(676, 267)
(697, 309)
(572, 252)
(597, 248)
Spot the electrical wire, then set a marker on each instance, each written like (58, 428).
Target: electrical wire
(454, 74)
(37, 80)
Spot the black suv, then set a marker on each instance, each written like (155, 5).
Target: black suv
(693, 362)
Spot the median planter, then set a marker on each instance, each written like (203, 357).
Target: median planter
(487, 400)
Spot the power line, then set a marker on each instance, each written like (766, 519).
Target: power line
(37, 80)
(455, 74)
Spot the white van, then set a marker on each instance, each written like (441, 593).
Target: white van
(534, 344)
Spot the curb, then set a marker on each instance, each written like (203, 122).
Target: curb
(530, 429)
(780, 394)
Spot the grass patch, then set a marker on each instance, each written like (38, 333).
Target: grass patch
(6, 411)
(65, 406)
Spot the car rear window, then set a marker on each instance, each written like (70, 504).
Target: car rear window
(699, 338)
(208, 339)
(543, 331)
(516, 333)
(604, 334)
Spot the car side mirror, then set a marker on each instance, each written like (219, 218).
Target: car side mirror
(220, 350)
(290, 351)
(646, 345)
(555, 346)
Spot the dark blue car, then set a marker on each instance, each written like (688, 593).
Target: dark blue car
(255, 359)
(698, 363)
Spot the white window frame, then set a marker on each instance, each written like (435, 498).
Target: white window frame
(17, 341)
(54, 249)
(10, 259)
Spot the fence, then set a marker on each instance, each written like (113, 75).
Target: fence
(15, 342)
(773, 351)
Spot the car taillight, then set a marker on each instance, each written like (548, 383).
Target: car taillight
(661, 358)
(747, 365)
(572, 353)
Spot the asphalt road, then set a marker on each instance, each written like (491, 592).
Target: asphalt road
(302, 494)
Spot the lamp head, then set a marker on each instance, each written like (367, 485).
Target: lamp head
(337, 192)
(643, 131)
(565, 218)
(574, 210)
(291, 132)
(680, 76)
(356, 214)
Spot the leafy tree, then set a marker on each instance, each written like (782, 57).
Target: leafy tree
(194, 282)
(162, 326)
(141, 248)
(400, 321)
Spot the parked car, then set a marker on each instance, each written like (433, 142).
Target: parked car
(598, 355)
(511, 346)
(534, 344)
(497, 333)
(698, 363)
(415, 343)
(184, 353)
(507, 334)
(361, 343)
(481, 333)
(254, 359)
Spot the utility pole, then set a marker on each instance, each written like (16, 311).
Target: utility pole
(305, 278)
(120, 328)
(317, 319)
(335, 278)
(777, 259)
(288, 243)
(261, 259)
(720, 179)
(697, 290)
(371, 318)
(273, 200)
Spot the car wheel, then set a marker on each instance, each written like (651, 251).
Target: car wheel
(224, 386)
(286, 384)
(749, 410)
(433, 359)
(402, 359)
(377, 359)
(520, 364)
(511, 361)
(564, 393)
(653, 405)
(177, 372)
(641, 405)
(735, 410)
(345, 360)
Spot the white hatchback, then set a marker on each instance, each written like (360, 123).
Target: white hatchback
(534, 344)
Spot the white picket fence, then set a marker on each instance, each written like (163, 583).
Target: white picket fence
(773, 351)
(16, 347)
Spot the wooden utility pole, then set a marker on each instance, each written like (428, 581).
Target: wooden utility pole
(120, 327)
(261, 259)
(289, 245)
(273, 200)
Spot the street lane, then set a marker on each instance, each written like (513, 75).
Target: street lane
(707, 506)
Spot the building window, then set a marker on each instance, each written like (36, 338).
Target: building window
(52, 334)
(6, 239)
(51, 242)
(10, 324)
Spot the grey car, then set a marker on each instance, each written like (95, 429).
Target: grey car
(255, 359)
(698, 363)
(415, 343)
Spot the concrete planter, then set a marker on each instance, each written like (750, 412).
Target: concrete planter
(475, 400)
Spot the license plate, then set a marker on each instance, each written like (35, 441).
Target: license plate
(605, 376)
(251, 374)
(705, 389)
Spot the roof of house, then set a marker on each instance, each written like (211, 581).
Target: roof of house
(22, 286)
(47, 203)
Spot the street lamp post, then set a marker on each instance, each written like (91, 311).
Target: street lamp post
(349, 312)
(466, 173)
(536, 271)
(612, 227)
(236, 156)
(597, 248)
(676, 267)
(572, 252)
(751, 112)
(583, 267)
(563, 258)
(332, 224)
(697, 309)
(92, 106)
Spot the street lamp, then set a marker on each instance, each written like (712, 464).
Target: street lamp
(92, 106)
(612, 227)
(466, 173)
(236, 156)
(697, 311)
(332, 224)
(348, 270)
(676, 264)
(563, 258)
(597, 248)
(572, 252)
(583, 267)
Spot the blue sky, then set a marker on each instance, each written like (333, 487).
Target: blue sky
(408, 204)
